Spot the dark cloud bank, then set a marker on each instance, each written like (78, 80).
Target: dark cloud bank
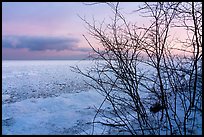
(37, 43)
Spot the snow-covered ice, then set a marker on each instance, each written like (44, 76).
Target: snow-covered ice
(45, 97)
(51, 115)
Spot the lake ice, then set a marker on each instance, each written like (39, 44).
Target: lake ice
(46, 97)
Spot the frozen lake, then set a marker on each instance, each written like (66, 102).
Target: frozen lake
(45, 97)
(35, 79)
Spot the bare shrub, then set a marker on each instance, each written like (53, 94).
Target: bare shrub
(150, 88)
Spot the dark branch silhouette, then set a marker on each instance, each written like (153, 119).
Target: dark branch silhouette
(149, 101)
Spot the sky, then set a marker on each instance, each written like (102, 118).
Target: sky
(51, 30)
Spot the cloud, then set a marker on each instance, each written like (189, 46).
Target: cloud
(37, 43)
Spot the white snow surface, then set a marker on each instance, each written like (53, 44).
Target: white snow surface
(52, 115)
(46, 97)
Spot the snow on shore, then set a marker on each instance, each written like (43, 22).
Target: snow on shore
(65, 114)
(45, 97)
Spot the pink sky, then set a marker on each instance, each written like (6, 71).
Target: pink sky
(54, 21)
